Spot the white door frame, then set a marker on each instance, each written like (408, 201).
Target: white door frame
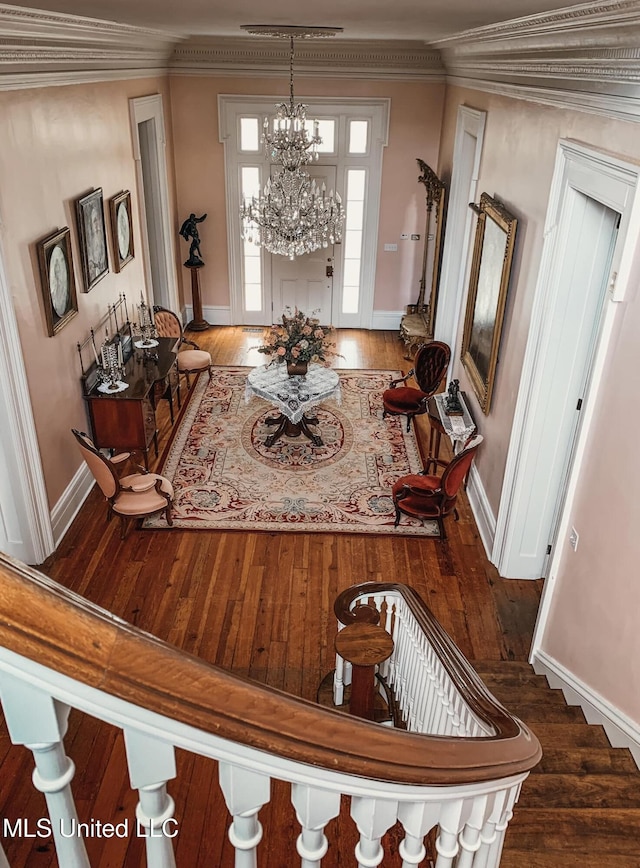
(376, 111)
(614, 183)
(25, 516)
(141, 109)
(464, 181)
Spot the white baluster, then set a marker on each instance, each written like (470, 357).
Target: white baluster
(469, 837)
(417, 819)
(245, 792)
(39, 722)
(151, 764)
(495, 849)
(338, 677)
(488, 834)
(451, 821)
(4, 863)
(373, 817)
(314, 809)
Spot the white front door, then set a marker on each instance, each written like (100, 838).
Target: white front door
(306, 282)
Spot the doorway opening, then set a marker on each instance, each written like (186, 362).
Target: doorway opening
(589, 212)
(147, 120)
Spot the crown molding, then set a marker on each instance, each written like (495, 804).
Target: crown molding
(370, 59)
(609, 105)
(603, 22)
(46, 42)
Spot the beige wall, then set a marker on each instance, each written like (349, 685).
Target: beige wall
(593, 627)
(416, 111)
(57, 144)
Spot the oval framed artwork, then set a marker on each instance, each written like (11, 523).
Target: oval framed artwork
(57, 279)
(121, 229)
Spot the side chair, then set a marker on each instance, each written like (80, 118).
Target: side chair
(191, 361)
(429, 367)
(135, 495)
(434, 497)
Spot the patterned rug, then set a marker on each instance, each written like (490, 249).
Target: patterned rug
(225, 478)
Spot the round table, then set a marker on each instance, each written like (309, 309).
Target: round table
(293, 397)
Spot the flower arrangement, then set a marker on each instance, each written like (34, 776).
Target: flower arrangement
(299, 338)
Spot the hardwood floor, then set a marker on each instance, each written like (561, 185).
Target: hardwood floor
(259, 604)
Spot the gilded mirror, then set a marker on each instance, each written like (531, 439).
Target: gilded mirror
(488, 285)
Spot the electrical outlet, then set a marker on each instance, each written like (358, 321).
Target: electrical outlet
(390, 248)
(574, 536)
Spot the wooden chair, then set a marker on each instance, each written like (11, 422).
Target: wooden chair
(429, 367)
(434, 497)
(192, 361)
(133, 496)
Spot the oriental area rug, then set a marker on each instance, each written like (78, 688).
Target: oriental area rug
(226, 478)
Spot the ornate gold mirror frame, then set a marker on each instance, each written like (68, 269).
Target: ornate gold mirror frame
(488, 285)
(417, 325)
(435, 214)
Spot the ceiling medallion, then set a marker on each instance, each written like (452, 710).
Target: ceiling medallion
(292, 216)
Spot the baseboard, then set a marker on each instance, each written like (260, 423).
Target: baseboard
(386, 320)
(620, 729)
(67, 507)
(481, 508)
(215, 315)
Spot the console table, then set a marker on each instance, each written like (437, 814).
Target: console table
(127, 420)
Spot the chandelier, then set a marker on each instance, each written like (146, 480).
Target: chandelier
(294, 215)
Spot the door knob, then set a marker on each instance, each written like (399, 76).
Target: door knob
(329, 271)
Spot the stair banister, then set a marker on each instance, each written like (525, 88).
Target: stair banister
(85, 657)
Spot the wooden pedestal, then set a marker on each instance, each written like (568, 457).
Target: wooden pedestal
(198, 323)
(364, 646)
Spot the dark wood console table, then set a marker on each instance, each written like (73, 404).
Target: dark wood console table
(127, 420)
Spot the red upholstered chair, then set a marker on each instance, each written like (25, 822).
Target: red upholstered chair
(133, 496)
(429, 367)
(192, 361)
(434, 497)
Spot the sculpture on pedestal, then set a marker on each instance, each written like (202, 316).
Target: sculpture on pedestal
(189, 231)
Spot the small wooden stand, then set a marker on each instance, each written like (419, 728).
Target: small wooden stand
(198, 323)
(364, 646)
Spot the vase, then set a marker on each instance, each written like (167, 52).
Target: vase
(298, 368)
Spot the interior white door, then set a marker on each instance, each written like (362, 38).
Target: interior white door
(306, 282)
(588, 232)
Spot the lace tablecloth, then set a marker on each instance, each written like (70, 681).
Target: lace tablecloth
(458, 428)
(293, 396)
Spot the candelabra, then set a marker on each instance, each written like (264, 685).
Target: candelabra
(145, 327)
(111, 368)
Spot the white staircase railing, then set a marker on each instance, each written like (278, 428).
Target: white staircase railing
(58, 652)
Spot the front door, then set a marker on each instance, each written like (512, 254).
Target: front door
(306, 282)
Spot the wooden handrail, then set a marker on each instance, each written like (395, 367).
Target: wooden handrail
(45, 622)
(470, 686)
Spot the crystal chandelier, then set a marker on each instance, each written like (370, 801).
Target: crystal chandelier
(293, 215)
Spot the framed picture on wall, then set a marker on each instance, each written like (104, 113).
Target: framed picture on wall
(488, 285)
(93, 238)
(121, 229)
(57, 279)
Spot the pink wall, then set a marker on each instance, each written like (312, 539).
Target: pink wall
(59, 143)
(416, 111)
(593, 627)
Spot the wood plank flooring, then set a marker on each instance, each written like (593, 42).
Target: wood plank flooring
(261, 605)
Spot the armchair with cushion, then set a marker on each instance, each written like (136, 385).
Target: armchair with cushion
(429, 367)
(191, 361)
(434, 497)
(132, 496)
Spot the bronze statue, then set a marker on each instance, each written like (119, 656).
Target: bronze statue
(452, 404)
(189, 231)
